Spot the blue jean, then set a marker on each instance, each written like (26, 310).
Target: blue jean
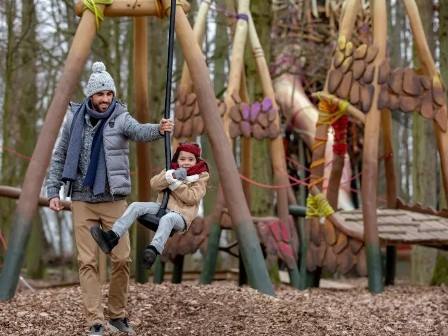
(171, 221)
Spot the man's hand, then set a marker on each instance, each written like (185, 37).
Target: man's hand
(166, 125)
(180, 174)
(55, 204)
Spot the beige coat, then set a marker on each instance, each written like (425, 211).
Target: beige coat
(185, 195)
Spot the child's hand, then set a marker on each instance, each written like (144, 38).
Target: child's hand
(180, 174)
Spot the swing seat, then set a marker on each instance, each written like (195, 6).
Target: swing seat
(151, 221)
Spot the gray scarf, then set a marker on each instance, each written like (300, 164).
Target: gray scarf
(75, 143)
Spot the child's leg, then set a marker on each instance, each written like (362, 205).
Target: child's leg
(136, 209)
(171, 221)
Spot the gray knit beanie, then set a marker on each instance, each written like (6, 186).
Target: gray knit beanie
(100, 80)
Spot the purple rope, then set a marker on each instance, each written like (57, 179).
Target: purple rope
(242, 16)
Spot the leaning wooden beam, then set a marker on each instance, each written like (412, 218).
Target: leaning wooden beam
(140, 68)
(185, 85)
(133, 8)
(198, 31)
(352, 110)
(11, 192)
(276, 145)
(370, 155)
(35, 173)
(236, 69)
(429, 68)
(227, 169)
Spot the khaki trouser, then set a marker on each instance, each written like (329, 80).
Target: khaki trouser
(86, 215)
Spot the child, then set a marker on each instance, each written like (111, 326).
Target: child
(187, 180)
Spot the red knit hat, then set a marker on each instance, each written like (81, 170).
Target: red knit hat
(193, 148)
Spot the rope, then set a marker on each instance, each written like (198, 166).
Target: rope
(274, 186)
(329, 112)
(340, 135)
(92, 6)
(317, 206)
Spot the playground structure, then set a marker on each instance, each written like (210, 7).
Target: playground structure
(76, 59)
(259, 120)
(359, 83)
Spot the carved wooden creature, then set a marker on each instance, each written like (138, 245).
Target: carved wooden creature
(360, 81)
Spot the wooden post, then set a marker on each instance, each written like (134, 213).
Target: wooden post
(208, 270)
(391, 189)
(370, 156)
(142, 113)
(159, 271)
(35, 174)
(239, 212)
(177, 270)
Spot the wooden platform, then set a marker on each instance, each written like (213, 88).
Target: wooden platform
(397, 226)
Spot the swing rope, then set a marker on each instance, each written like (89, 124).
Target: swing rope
(92, 6)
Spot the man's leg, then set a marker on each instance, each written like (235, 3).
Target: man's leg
(171, 221)
(83, 219)
(120, 260)
(134, 210)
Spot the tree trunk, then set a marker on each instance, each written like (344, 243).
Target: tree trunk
(440, 275)
(9, 123)
(261, 199)
(424, 163)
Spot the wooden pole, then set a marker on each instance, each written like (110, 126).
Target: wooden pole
(227, 169)
(143, 149)
(35, 173)
(429, 69)
(370, 155)
(185, 85)
(11, 192)
(276, 145)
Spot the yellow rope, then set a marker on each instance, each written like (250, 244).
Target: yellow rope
(330, 112)
(317, 163)
(92, 6)
(317, 206)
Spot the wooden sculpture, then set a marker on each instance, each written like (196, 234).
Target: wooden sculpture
(360, 84)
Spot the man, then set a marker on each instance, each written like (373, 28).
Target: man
(91, 158)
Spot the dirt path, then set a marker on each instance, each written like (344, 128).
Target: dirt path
(224, 309)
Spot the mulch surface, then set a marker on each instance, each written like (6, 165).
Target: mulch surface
(224, 309)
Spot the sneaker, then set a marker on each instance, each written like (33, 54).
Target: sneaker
(106, 240)
(121, 324)
(96, 330)
(149, 256)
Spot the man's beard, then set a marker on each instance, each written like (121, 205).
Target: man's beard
(98, 108)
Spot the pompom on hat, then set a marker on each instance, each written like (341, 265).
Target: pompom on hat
(100, 80)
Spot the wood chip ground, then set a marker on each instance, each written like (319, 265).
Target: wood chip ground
(224, 309)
